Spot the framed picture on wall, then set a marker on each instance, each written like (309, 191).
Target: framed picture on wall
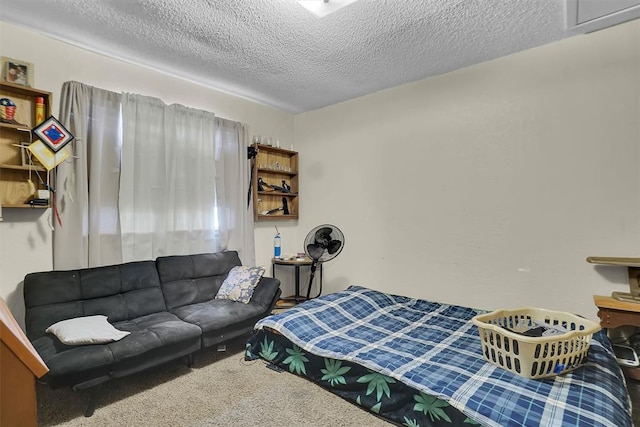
(53, 134)
(17, 71)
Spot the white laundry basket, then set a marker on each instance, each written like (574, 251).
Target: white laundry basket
(535, 357)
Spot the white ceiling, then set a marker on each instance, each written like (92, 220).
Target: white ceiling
(277, 53)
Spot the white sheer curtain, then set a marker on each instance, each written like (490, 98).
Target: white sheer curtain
(148, 179)
(235, 217)
(87, 185)
(167, 181)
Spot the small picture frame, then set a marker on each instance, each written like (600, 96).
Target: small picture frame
(53, 134)
(47, 158)
(17, 72)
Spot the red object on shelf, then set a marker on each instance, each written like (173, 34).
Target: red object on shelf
(7, 109)
(39, 110)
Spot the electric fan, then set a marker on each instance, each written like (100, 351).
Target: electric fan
(322, 244)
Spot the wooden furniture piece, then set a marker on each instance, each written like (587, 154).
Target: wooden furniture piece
(274, 165)
(633, 270)
(15, 169)
(296, 263)
(20, 365)
(614, 313)
(621, 308)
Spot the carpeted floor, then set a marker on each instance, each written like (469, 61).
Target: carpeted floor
(221, 390)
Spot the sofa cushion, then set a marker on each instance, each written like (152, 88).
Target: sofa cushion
(217, 313)
(148, 335)
(180, 267)
(266, 293)
(240, 283)
(79, 361)
(152, 331)
(192, 279)
(86, 330)
(120, 292)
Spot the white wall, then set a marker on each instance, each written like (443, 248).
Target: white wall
(25, 239)
(487, 186)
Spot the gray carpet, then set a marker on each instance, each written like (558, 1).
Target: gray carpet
(220, 390)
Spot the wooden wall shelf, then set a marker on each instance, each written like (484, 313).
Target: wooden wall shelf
(15, 191)
(275, 165)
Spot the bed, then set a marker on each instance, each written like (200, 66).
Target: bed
(415, 362)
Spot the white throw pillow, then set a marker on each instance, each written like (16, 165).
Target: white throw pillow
(240, 283)
(86, 330)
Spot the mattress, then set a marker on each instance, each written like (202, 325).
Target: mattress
(418, 362)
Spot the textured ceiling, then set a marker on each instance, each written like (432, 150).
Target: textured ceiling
(277, 53)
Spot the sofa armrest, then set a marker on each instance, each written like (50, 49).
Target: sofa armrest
(266, 293)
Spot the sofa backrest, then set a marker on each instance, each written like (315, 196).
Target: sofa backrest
(120, 292)
(190, 279)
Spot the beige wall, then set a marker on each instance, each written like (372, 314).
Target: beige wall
(487, 186)
(25, 238)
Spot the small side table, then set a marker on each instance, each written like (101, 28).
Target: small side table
(296, 263)
(614, 313)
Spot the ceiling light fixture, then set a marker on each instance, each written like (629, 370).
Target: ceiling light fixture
(322, 8)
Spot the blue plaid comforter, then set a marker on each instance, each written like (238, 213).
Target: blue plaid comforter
(435, 348)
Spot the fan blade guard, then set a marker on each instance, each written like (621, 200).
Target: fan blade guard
(314, 251)
(334, 246)
(325, 237)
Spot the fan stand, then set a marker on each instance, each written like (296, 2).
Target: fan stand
(312, 273)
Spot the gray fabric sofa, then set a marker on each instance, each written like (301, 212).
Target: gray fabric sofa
(168, 306)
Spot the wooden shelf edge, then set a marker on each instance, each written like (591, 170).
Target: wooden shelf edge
(276, 217)
(24, 89)
(276, 193)
(276, 149)
(15, 125)
(22, 168)
(276, 171)
(611, 303)
(621, 261)
(25, 206)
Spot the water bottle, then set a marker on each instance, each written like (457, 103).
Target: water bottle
(276, 245)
